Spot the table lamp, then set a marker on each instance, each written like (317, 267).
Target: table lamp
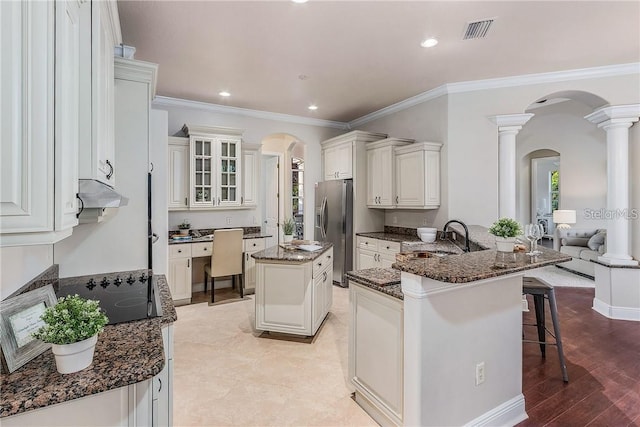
(563, 218)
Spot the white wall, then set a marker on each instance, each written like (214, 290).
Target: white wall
(255, 131)
(583, 158)
(423, 122)
(19, 264)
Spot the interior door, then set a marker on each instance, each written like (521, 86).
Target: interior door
(271, 204)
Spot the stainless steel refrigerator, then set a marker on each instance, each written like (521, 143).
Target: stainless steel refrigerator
(334, 223)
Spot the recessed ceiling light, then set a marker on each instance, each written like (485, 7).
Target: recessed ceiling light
(313, 107)
(430, 42)
(299, 1)
(224, 93)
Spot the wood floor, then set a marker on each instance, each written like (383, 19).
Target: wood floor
(603, 362)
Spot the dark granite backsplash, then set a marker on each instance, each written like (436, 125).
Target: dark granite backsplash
(400, 230)
(206, 231)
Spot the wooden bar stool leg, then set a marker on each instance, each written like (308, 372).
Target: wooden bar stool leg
(205, 282)
(538, 302)
(556, 332)
(241, 281)
(213, 282)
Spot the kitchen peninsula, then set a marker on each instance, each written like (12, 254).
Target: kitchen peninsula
(293, 288)
(453, 316)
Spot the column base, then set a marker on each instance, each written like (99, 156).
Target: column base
(617, 292)
(617, 261)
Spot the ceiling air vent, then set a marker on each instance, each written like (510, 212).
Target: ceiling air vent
(478, 29)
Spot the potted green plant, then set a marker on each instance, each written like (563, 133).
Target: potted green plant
(72, 327)
(288, 226)
(184, 227)
(505, 230)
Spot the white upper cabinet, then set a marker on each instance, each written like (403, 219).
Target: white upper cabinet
(380, 172)
(215, 179)
(39, 120)
(418, 176)
(178, 184)
(338, 158)
(251, 172)
(100, 33)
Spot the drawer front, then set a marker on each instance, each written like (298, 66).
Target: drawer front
(388, 248)
(180, 251)
(254, 245)
(323, 262)
(367, 243)
(201, 249)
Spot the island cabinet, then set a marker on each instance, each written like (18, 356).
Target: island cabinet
(417, 176)
(371, 253)
(376, 351)
(293, 289)
(251, 246)
(381, 191)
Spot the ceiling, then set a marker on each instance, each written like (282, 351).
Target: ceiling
(351, 58)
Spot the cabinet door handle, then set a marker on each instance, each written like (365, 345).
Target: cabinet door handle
(189, 263)
(247, 256)
(160, 388)
(242, 200)
(325, 276)
(396, 199)
(110, 174)
(185, 201)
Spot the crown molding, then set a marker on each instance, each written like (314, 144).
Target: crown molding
(503, 82)
(399, 106)
(138, 71)
(541, 78)
(164, 101)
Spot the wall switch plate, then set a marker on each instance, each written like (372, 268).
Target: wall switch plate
(479, 373)
(228, 220)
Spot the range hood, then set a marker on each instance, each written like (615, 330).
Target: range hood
(95, 197)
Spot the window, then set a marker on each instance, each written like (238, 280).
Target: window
(297, 196)
(554, 189)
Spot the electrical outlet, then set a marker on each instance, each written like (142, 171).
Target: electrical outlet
(479, 373)
(228, 220)
(394, 219)
(425, 222)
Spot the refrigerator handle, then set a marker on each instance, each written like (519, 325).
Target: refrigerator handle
(324, 217)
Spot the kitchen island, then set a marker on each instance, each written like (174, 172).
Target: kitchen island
(293, 288)
(128, 383)
(450, 340)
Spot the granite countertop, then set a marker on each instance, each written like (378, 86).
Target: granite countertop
(209, 238)
(277, 253)
(391, 236)
(125, 354)
(477, 265)
(386, 280)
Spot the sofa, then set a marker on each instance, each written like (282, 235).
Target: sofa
(583, 245)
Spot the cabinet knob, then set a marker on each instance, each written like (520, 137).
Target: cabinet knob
(388, 247)
(254, 244)
(179, 251)
(208, 248)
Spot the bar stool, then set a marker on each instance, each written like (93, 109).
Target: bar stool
(542, 291)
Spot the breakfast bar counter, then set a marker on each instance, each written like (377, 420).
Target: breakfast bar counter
(126, 354)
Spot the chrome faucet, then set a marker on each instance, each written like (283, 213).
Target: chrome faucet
(467, 248)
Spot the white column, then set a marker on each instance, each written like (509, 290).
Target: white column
(616, 121)
(508, 127)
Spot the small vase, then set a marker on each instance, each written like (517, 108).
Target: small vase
(288, 238)
(505, 244)
(76, 356)
(184, 231)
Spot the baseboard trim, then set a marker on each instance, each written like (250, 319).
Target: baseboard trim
(562, 267)
(617, 313)
(509, 413)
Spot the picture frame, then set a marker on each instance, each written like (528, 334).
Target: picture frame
(19, 317)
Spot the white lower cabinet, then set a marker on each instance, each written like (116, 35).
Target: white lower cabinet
(375, 253)
(376, 343)
(251, 246)
(180, 267)
(294, 298)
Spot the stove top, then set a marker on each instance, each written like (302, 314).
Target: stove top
(122, 298)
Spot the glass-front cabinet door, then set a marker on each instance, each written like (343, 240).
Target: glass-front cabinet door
(229, 176)
(202, 188)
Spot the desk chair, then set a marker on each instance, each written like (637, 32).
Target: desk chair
(226, 259)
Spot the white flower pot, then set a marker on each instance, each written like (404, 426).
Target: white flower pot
(505, 244)
(288, 238)
(74, 357)
(184, 231)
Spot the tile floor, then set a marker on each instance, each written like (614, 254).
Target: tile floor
(224, 375)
